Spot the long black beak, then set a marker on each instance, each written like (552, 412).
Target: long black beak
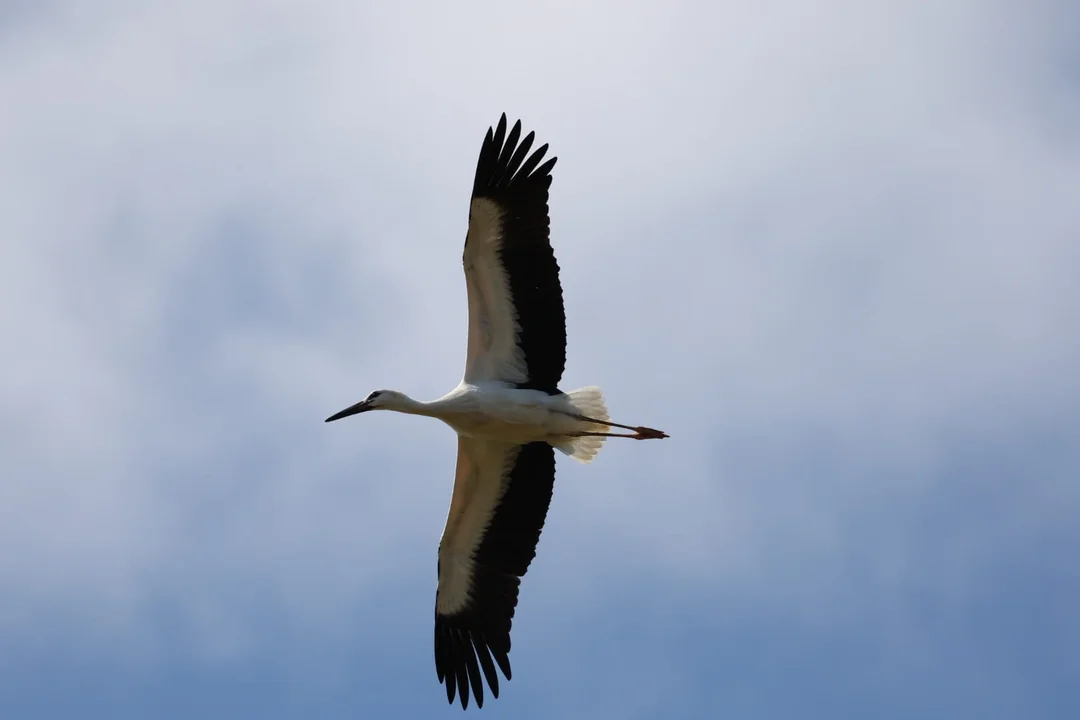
(362, 406)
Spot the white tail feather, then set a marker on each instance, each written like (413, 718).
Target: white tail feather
(587, 401)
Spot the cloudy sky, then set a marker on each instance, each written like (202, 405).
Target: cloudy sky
(832, 247)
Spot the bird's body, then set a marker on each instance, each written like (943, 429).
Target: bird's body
(508, 412)
(498, 411)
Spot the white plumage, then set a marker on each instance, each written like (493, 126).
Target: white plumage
(508, 412)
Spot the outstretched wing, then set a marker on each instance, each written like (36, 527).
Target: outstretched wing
(501, 497)
(517, 323)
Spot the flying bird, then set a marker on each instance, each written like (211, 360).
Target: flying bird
(508, 411)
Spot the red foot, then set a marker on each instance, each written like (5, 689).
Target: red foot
(644, 433)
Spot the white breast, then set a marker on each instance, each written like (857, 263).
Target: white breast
(502, 413)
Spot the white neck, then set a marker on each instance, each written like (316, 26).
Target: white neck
(441, 409)
(405, 404)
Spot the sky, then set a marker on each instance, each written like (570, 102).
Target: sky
(831, 247)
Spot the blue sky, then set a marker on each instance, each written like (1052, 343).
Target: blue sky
(831, 247)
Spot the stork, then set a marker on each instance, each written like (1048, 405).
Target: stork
(508, 411)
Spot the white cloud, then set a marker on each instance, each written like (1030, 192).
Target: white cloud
(223, 221)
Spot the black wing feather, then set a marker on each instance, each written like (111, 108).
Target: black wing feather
(503, 557)
(519, 155)
(521, 192)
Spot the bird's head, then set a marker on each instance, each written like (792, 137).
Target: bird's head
(376, 400)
